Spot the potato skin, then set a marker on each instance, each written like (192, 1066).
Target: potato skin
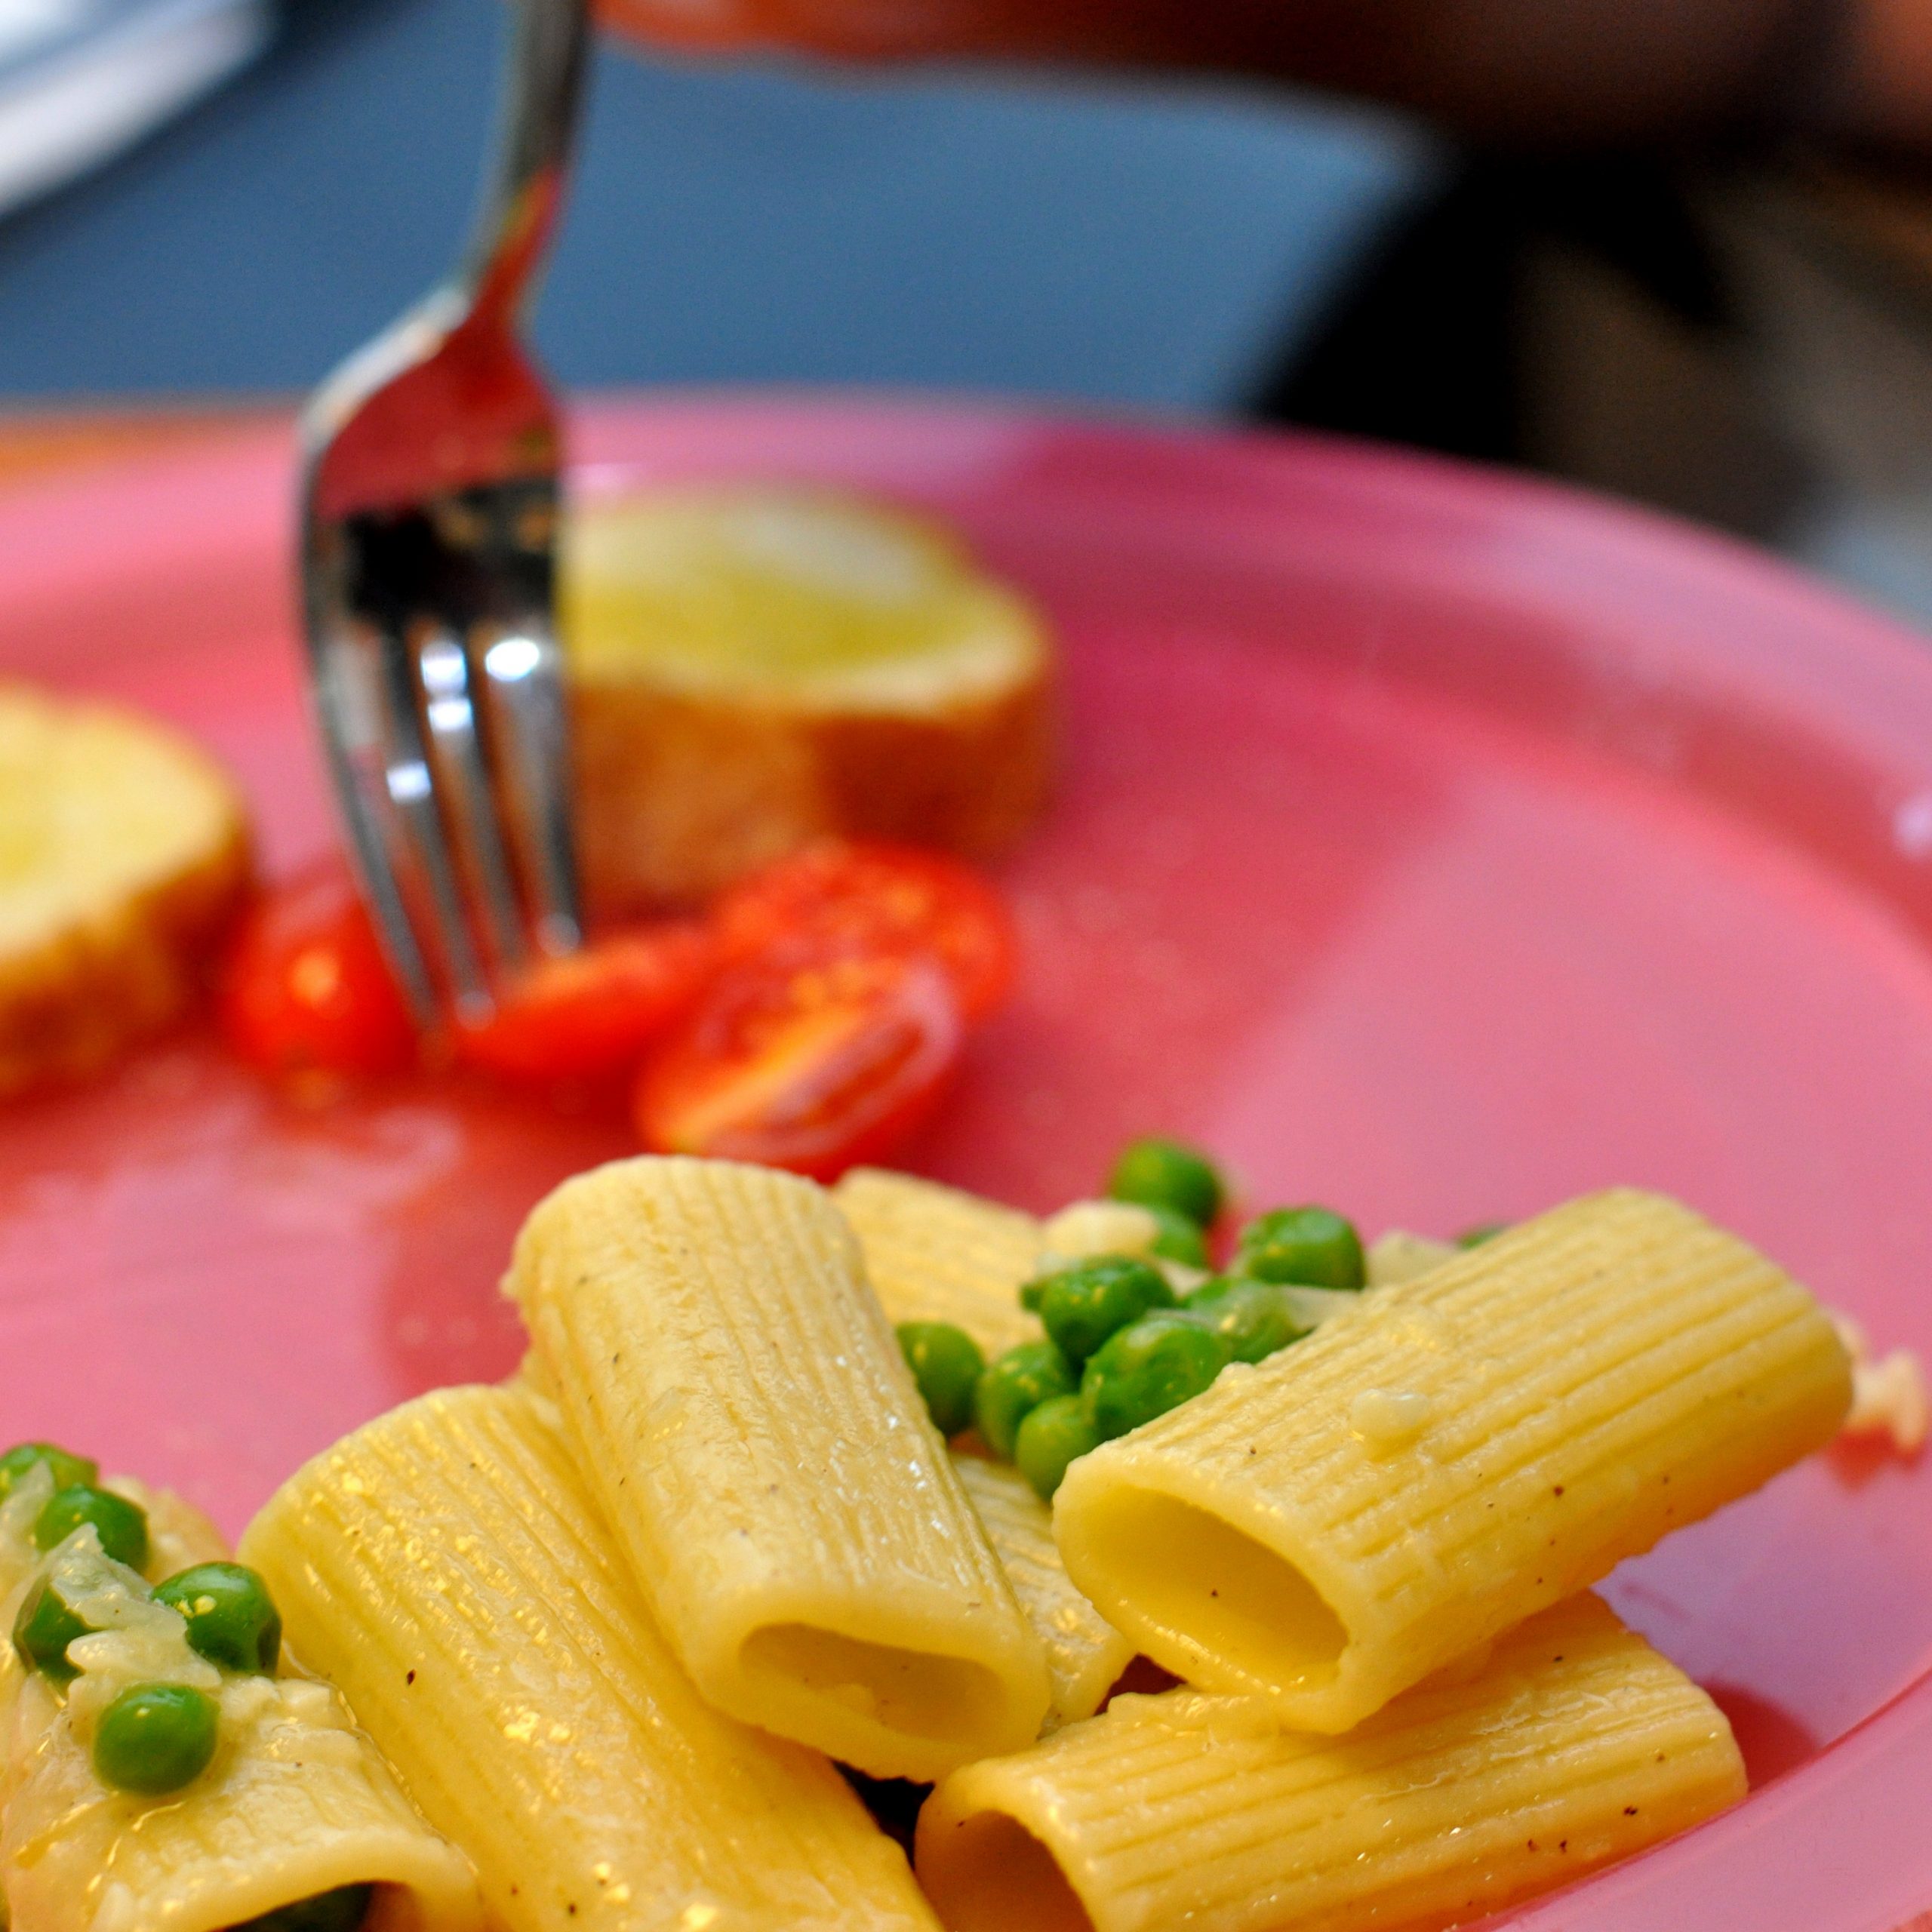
(678, 795)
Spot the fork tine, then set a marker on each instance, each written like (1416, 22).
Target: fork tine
(428, 511)
(349, 704)
(409, 782)
(524, 669)
(463, 776)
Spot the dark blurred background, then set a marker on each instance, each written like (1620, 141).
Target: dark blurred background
(1745, 337)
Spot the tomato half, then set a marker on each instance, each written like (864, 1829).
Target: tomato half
(875, 899)
(593, 1012)
(305, 987)
(807, 1056)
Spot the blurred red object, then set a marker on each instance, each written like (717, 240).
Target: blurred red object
(305, 988)
(592, 1012)
(874, 898)
(809, 1056)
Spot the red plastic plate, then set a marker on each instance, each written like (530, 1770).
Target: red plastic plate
(1431, 843)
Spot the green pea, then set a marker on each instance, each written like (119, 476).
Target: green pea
(122, 1526)
(1253, 1318)
(25, 1457)
(1482, 1230)
(1013, 1385)
(1148, 1369)
(1212, 1290)
(155, 1738)
(1049, 1439)
(1081, 1306)
(1165, 1174)
(1309, 1246)
(945, 1362)
(231, 1619)
(1179, 1239)
(45, 1626)
(342, 1910)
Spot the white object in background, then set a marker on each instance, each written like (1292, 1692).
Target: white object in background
(80, 79)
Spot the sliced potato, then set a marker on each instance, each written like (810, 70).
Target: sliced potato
(123, 849)
(755, 668)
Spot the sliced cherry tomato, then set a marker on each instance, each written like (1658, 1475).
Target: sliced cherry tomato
(807, 1057)
(305, 987)
(593, 1012)
(878, 898)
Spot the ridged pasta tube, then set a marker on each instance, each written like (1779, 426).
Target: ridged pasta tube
(934, 1254)
(1085, 1653)
(1328, 1527)
(742, 1412)
(179, 1536)
(1575, 1745)
(297, 1802)
(445, 1564)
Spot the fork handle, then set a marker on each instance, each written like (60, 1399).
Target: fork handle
(541, 99)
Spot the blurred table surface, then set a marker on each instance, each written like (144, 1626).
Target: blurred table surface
(731, 222)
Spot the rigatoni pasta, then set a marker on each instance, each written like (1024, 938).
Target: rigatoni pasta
(597, 1616)
(1085, 1653)
(446, 1566)
(298, 1804)
(1326, 1528)
(295, 1804)
(934, 1254)
(741, 1409)
(1573, 1744)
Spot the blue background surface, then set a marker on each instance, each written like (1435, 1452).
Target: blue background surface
(1113, 242)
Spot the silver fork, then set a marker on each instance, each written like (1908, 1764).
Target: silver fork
(429, 509)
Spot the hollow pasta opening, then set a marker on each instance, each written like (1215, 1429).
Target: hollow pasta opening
(915, 1692)
(396, 1908)
(379, 1906)
(1191, 1573)
(987, 1873)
